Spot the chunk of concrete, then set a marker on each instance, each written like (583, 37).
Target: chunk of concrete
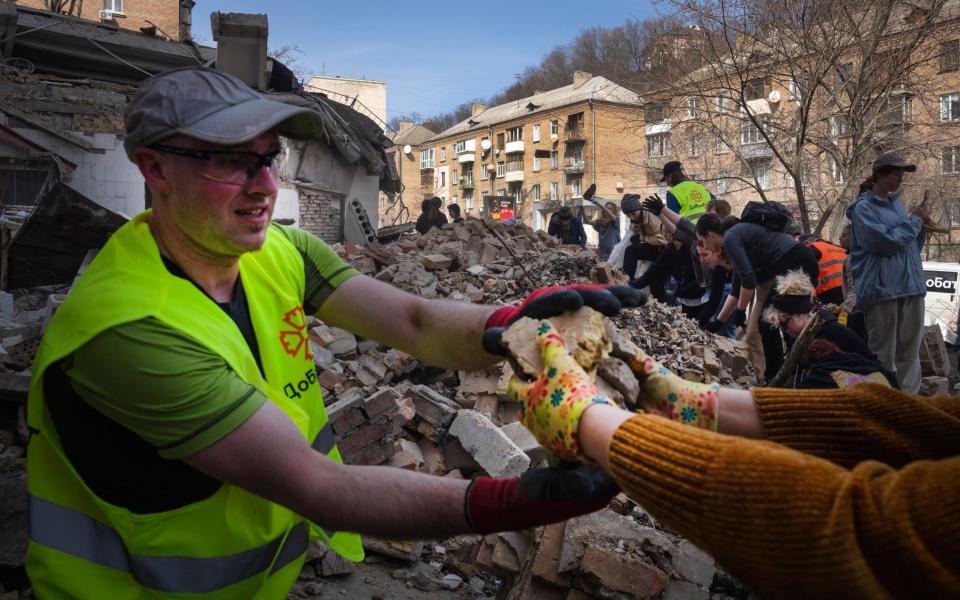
(621, 572)
(489, 446)
(522, 437)
(584, 334)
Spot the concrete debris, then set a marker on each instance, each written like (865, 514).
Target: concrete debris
(934, 359)
(521, 436)
(496, 454)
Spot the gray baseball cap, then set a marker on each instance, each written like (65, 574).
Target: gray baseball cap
(212, 106)
(891, 159)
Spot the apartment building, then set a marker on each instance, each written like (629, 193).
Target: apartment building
(394, 208)
(712, 128)
(544, 151)
(166, 18)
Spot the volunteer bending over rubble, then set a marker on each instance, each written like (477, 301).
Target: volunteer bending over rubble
(179, 439)
(849, 493)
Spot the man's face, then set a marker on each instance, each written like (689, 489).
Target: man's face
(220, 219)
(635, 216)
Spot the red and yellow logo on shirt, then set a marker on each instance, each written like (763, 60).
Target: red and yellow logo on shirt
(294, 339)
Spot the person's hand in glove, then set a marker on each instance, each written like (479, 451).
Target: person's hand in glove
(553, 301)
(551, 406)
(538, 497)
(653, 204)
(738, 317)
(665, 394)
(713, 325)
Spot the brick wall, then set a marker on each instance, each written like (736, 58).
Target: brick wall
(165, 14)
(321, 213)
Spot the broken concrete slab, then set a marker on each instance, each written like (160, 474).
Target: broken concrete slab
(488, 445)
(521, 436)
(584, 334)
(620, 572)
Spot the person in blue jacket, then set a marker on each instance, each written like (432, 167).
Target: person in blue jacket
(885, 244)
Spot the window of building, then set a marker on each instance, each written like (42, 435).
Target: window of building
(755, 89)
(658, 145)
(516, 190)
(844, 73)
(576, 187)
(723, 100)
(554, 190)
(950, 160)
(761, 173)
(555, 127)
(426, 158)
(443, 179)
(459, 147)
(536, 133)
(554, 159)
(501, 191)
(468, 199)
(536, 163)
(655, 113)
(721, 147)
(515, 134)
(723, 182)
(836, 171)
(750, 133)
(793, 86)
(693, 107)
(950, 107)
(950, 56)
(535, 193)
(114, 5)
(443, 154)
(899, 109)
(499, 140)
(696, 147)
(500, 168)
(484, 172)
(839, 125)
(454, 176)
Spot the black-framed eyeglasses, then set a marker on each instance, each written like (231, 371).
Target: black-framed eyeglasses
(235, 167)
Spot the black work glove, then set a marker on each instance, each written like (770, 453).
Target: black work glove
(552, 301)
(636, 239)
(714, 326)
(653, 204)
(738, 317)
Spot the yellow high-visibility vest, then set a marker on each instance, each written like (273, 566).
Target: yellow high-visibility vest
(233, 544)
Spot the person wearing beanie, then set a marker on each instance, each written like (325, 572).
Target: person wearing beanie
(638, 250)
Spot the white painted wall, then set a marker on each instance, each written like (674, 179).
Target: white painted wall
(109, 179)
(373, 94)
(288, 205)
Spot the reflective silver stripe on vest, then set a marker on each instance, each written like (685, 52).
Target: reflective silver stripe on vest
(81, 536)
(830, 263)
(324, 442)
(829, 277)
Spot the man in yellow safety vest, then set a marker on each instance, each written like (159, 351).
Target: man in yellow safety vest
(686, 198)
(179, 443)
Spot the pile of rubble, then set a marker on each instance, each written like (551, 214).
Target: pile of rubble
(388, 408)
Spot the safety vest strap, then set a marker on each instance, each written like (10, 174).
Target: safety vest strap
(828, 278)
(76, 534)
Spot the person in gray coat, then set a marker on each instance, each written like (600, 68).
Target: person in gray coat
(885, 243)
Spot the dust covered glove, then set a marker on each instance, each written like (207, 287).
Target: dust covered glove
(553, 301)
(663, 393)
(551, 406)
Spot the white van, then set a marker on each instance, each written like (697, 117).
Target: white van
(941, 303)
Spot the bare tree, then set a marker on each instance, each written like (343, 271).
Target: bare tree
(814, 88)
(290, 55)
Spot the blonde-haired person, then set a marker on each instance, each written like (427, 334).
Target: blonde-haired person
(851, 493)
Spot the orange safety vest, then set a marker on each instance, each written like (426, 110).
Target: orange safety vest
(831, 266)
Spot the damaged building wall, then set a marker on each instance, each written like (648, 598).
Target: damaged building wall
(164, 14)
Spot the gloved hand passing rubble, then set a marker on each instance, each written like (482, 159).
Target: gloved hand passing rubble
(553, 301)
(552, 405)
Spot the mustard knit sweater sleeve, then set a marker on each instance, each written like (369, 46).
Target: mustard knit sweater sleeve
(790, 524)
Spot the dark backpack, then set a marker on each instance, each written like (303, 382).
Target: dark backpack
(771, 215)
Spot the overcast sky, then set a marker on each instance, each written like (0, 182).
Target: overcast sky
(432, 59)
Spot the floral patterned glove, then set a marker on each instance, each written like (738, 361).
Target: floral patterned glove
(665, 394)
(551, 406)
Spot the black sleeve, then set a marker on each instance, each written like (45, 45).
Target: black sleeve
(658, 270)
(846, 339)
(717, 280)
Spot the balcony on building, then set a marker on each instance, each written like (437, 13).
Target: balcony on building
(756, 150)
(466, 182)
(575, 134)
(466, 151)
(514, 171)
(573, 164)
(514, 146)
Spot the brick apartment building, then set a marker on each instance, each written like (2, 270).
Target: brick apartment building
(544, 151)
(706, 128)
(172, 18)
(396, 208)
